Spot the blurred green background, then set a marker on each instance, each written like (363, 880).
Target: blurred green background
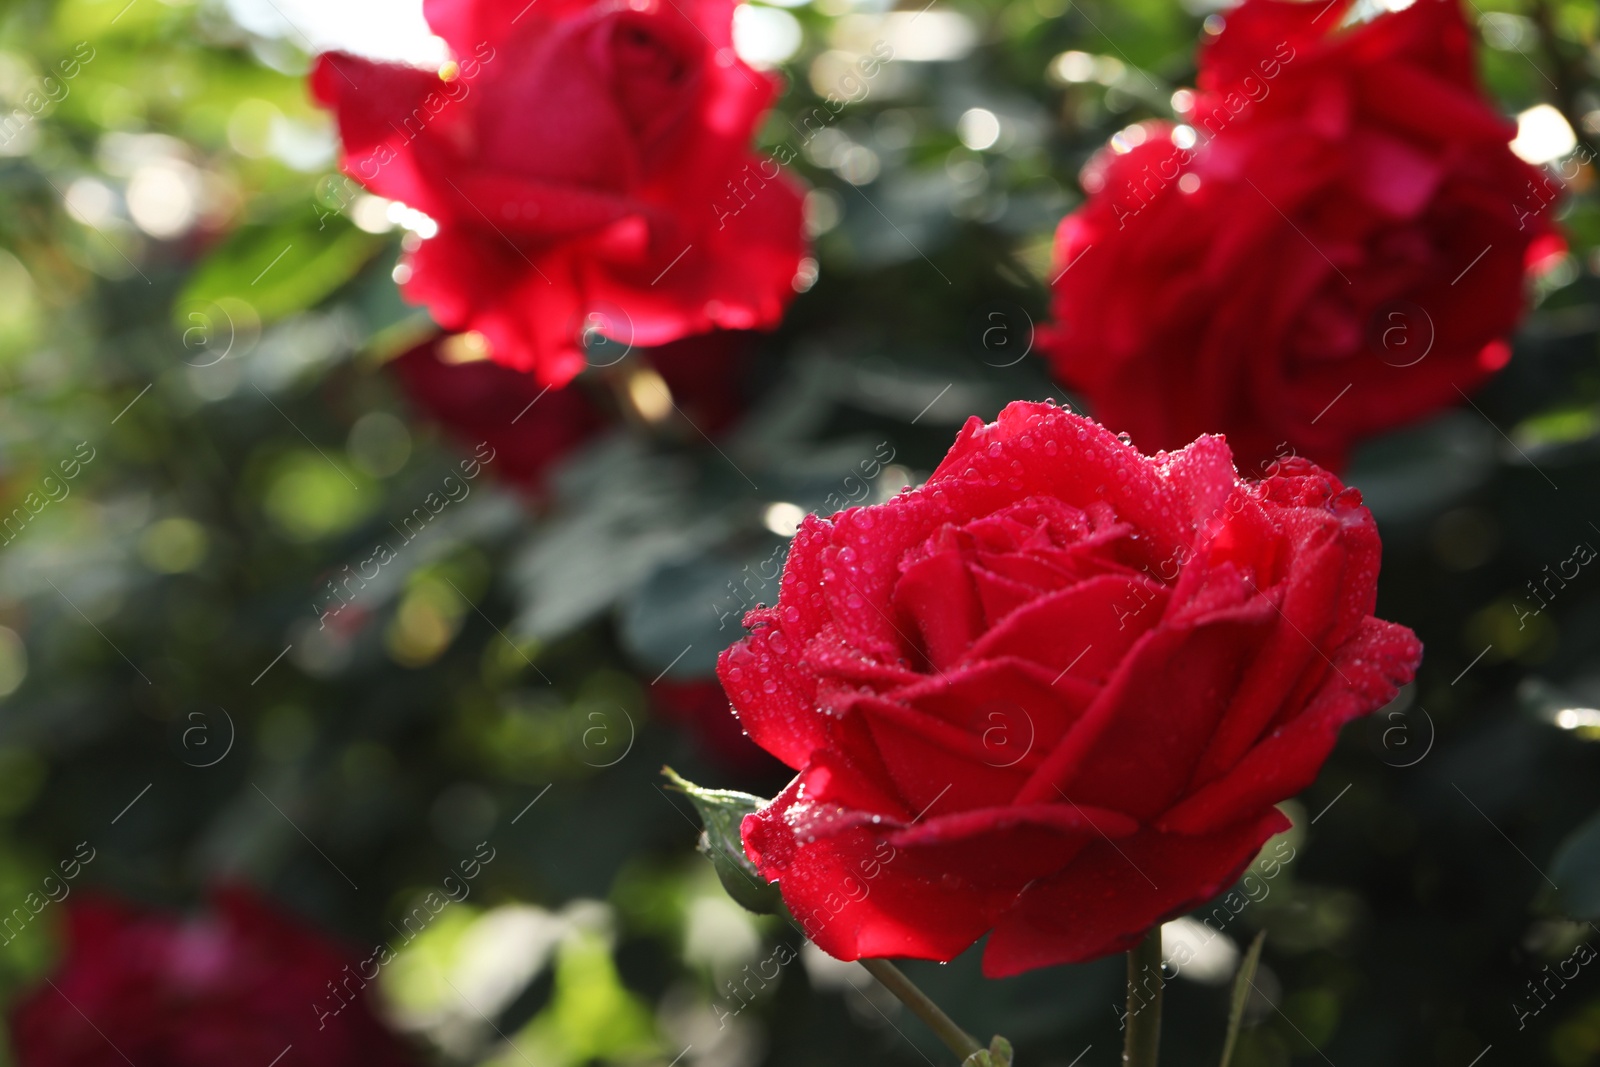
(237, 438)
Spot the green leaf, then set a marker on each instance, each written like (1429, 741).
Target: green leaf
(1243, 983)
(1576, 870)
(283, 268)
(721, 812)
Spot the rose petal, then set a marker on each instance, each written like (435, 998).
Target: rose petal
(1366, 673)
(1113, 893)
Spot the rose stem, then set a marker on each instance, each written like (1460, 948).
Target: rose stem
(894, 980)
(1142, 1038)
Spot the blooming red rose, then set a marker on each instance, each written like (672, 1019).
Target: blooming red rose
(1054, 693)
(577, 159)
(1331, 246)
(233, 987)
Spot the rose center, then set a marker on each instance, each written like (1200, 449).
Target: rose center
(652, 74)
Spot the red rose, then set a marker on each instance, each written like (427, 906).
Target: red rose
(234, 987)
(483, 401)
(1332, 246)
(578, 159)
(1055, 692)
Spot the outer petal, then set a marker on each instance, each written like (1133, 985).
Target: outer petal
(860, 888)
(1365, 674)
(524, 300)
(376, 105)
(1256, 30)
(1107, 899)
(717, 268)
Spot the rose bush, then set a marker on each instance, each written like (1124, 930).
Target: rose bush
(1055, 692)
(575, 156)
(1332, 245)
(233, 986)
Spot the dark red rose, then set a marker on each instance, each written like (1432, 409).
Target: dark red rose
(578, 159)
(529, 426)
(1331, 246)
(707, 376)
(1055, 693)
(235, 986)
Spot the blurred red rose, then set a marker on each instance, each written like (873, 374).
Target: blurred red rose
(236, 986)
(701, 708)
(588, 166)
(484, 401)
(707, 376)
(1332, 245)
(531, 426)
(1054, 693)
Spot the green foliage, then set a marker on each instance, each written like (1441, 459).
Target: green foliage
(722, 811)
(495, 682)
(1243, 986)
(282, 268)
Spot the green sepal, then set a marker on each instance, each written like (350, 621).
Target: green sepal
(721, 813)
